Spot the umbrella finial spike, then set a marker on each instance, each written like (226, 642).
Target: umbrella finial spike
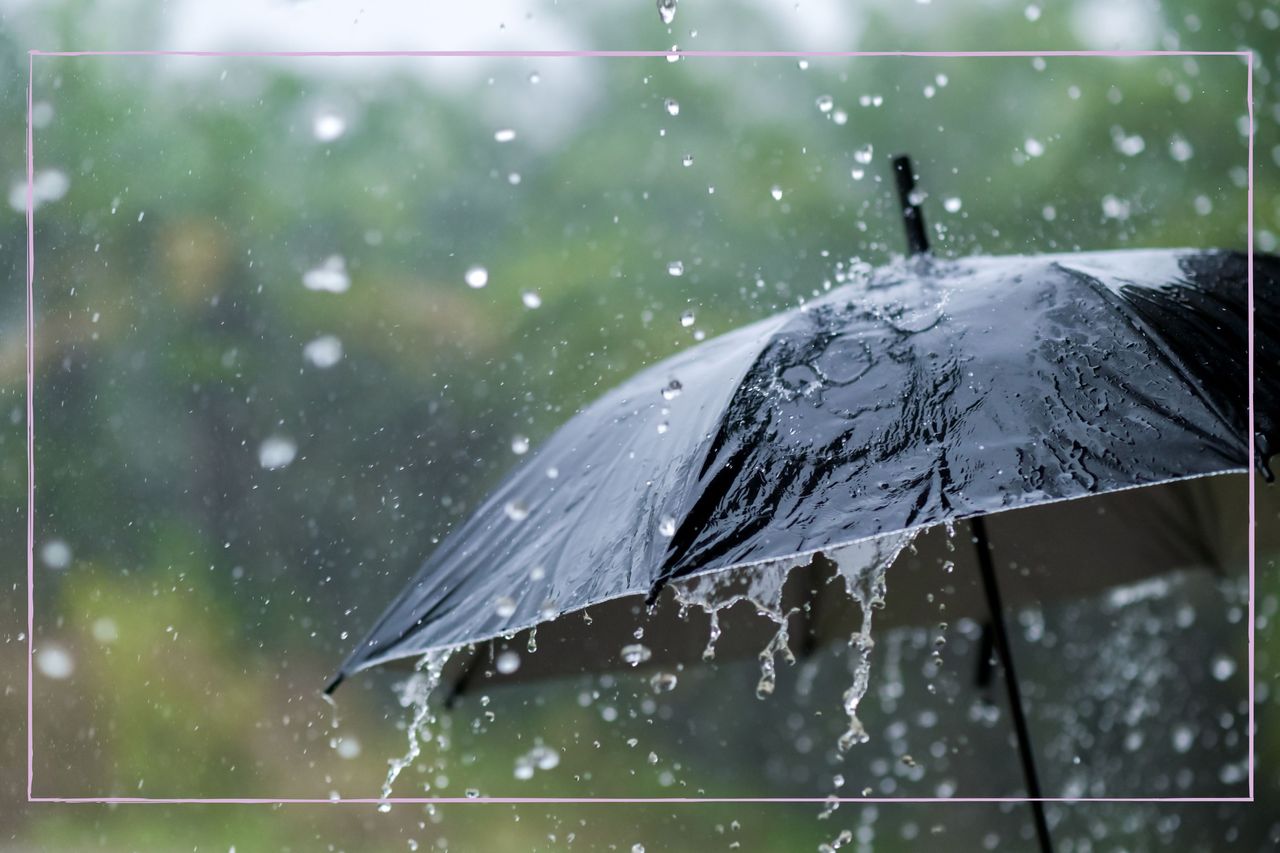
(912, 217)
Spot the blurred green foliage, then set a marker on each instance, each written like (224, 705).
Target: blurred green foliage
(171, 320)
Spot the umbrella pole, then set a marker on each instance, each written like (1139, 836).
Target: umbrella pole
(1001, 637)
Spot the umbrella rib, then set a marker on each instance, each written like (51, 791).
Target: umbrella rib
(1000, 635)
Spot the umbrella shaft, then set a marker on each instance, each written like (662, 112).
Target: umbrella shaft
(1005, 653)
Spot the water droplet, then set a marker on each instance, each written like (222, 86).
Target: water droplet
(55, 662)
(857, 173)
(675, 268)
(1033, 147)
(663, 682)
(636, 654)
(1032, 12)
(672, 390)
(1223, 667)
(825, 103)
(667, 526)
(531, 299)
(507, 662)
(534, 78)
(327, 126)
(688, 160)
(544, 757)
(663, 427)
(505, 607)
(516, 510)
(776, 192)
(331, 276)
(519, 445)
(476, 277)
(277, 452)
(952, 204)
(1180, 149)
(105, 630)
(687, 319)
(56, 554)
(537, 573)
(672, 105)
(506, 134)
(347, 747)
(46, 185)
(864, 154)
(840, 117)
(667, 10)
(323, 352)
(1183, 738)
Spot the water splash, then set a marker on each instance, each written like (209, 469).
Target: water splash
(761, 586)
(862, 566)
(416, 694)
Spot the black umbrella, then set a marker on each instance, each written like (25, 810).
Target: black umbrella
(910, 397)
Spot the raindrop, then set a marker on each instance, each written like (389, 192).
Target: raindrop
(951, 205)
(1033, 147)
(534, 78)
(840, 117)
(516, 510)
(347, 747)
(663, 682)
(506, 134)
(687, 319)
(1032, 13)
(531, 299)
(519, 445)
(776, 192)
(864, 154)
(672, 390)
(56, 554)
(277, 452)
(675, 268)
(667, 526)
(55, 662)
(331, 276)
(507, 662)
(328, 126)
(1180, 149)
(688, 160)
(673, 106)
(667, 10)
(636, 654)
(41, 114)
(825, 103)
(1223, 667)
(1115, 208)
(46, 185)
(476, 277)
(505, 607)
(105, 630)
(325, 351)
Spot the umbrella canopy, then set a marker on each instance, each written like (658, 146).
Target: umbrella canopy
(826, 438)
(913, 395)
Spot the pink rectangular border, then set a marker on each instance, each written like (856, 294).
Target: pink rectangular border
(1248, 56)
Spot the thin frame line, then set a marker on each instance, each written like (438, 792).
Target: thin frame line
(652, 54)
(30, 365)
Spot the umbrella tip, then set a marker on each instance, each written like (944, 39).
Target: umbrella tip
(333, 683)
(912, 217)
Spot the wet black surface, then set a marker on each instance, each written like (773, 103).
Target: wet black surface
(924, 392)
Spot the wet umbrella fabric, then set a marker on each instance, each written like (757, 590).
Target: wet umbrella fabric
(916, 394)
(925, 392)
